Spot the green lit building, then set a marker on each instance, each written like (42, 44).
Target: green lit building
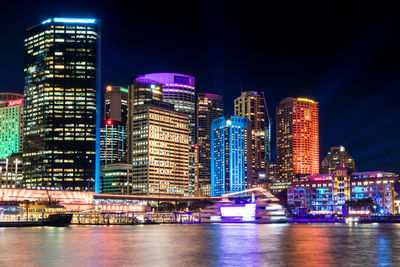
(62, 88)
(117, 179)
(11, 107)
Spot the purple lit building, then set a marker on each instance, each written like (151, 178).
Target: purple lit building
(179, 89)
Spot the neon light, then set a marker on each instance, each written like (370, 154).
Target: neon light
(305, 100)
(73, 20)
(46, 21)
(14, 102)
(247, 211)
(124, 90)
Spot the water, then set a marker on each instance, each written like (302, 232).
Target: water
(203, 245)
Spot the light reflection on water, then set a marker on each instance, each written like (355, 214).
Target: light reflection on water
(202, 245)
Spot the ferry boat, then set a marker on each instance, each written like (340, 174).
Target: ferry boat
(256, 205)
(41, 213)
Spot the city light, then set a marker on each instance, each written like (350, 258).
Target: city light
(74, 20)
(15, 102)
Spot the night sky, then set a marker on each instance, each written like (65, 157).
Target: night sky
(345, 56)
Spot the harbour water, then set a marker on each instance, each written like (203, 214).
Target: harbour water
(203, 245)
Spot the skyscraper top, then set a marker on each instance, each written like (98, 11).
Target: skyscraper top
(70, 20)
(171, 78)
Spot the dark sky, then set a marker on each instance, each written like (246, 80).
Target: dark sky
(344, 55)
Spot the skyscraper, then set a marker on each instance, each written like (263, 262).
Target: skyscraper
(209, 107)
(11, 107)
(251, 106)
(113, 141)
(140, 92)
(297, 137)
(230, 155)
(160, 150)
(179, 90)
(61, 124)
(335, 157)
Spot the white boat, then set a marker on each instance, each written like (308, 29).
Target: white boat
(256, 205)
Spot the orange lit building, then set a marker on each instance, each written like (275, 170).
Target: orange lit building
(297, 138)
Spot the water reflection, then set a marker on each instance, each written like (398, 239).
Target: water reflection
(202, 245)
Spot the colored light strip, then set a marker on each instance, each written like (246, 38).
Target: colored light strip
(305, 100)
(73, 20)
(46, 21)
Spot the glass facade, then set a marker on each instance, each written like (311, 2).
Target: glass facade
(230, 152)
(61, 82)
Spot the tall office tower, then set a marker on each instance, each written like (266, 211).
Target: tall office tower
(11, 121)
(251, 106)
(160, 150)
(117, 179)
(62, 88)
(113, 136)
(297, 138)
(116, 104)
(140, 92)
(112, 143)
(179, 89)
(230, 155)
(335, 158)
(209, 107)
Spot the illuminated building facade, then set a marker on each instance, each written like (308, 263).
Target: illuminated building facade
(335, 157)
(179, 90)
(297, 138)
(328, 193)
(209, 107)
(377, 185)
(11, 171)
(112, 142)
(61, 121)
(160, 137)
(11, 124)
(142, 91)
(113, 133)
(251, 106)
(117, 179)
(321, 194)
(230, 155)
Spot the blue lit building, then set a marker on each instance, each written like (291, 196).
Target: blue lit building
(230, 168)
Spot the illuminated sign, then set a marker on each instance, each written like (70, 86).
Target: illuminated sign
(46, 21)
(305, 100)
(124, 90)
(247, 211)
(73, 20)
(14, 102)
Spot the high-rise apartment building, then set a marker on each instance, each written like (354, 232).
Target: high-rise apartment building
(160, 150)
(251, 106)
(209, 107)
(335, 158)
(297, 138)
(11, 121)
(142, 91)
(179, 90)
(62, 88)
(230, 155)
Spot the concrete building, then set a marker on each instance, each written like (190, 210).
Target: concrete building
(11, 124)
(179, 90)
(209, 107)
(297, 138)
(335, 157)
(250, 105)
(160, 151)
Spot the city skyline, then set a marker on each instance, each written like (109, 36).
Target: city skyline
(348, 79)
